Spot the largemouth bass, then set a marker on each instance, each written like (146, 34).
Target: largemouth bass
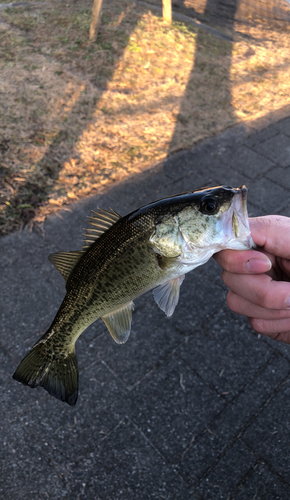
(124, 257)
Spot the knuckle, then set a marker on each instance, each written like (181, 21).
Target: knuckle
(227, 259)
(258, 325)
(283, 337)
(266, 298)
(231, 301)
(225, 277)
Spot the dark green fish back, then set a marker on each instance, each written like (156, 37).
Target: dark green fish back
(113, 242)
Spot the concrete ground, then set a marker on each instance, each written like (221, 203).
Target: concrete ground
(192, 407)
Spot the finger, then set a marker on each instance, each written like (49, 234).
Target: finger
(282, 337)
(246, 262)
(260, 289)
(272, 328)
(242, 306)
(284, 264)
(272, 233)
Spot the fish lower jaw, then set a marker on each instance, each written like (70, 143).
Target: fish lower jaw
(238, 244)
(196, 258)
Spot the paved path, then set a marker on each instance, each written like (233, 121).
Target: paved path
(192, 407)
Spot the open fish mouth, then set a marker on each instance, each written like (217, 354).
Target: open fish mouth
(240, 221)
(237, 222)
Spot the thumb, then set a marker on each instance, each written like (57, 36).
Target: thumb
(272, 233)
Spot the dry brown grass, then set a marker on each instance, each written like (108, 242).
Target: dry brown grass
(76, 117)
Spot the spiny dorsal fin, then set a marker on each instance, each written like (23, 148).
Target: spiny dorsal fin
(101, 221)
(65, 261)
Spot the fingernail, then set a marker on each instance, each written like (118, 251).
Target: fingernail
(258, 265)
(287, 302)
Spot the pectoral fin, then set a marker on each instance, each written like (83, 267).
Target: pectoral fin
(167, 295)
(119, 323)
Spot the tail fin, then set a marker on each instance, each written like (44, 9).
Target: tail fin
(57, 373)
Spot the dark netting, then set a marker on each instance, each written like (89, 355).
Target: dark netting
(222, 12)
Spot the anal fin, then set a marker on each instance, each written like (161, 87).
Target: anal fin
(167, 295)
(119, 323)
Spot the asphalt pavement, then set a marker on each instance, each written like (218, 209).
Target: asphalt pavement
(192, 407)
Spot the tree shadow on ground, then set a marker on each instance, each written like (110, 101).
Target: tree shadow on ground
(41, 183)
(212, 90)
(216, 89)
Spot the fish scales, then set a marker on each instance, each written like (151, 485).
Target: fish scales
(150, 248)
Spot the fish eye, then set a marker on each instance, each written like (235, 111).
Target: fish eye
(208, 205)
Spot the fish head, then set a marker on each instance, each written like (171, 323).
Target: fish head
(204, 222)
(218, 217)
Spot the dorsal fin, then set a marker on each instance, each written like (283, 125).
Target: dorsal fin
(101, 221)
(65, 261)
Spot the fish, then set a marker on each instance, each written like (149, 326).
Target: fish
(152, 247)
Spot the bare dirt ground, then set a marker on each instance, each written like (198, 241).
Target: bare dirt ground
(76, 117)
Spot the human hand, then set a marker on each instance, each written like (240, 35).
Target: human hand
(259, 281)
